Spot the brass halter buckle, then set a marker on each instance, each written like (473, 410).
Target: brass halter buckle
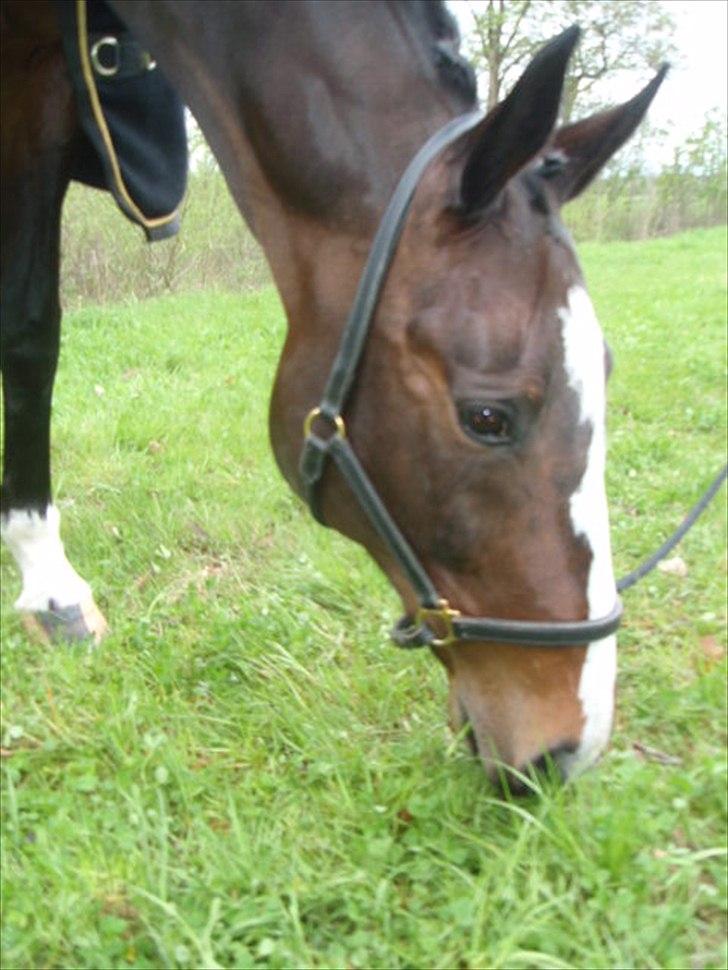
(337, 423)
(440, 621)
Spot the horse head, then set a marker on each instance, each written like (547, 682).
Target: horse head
(479, 414)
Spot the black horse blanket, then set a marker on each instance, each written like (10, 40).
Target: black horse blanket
(135, 142)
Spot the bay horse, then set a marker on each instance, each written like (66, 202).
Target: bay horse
(478, 409)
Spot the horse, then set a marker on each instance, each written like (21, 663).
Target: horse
(477, 406)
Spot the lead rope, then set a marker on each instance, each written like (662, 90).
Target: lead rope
(669, 544)
(410, 635)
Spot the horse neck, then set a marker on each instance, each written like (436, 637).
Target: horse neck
(313, 111)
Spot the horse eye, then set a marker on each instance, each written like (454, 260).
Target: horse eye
(490, 424)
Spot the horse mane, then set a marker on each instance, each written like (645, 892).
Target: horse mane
(455, 72)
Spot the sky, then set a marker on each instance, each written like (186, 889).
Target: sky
(697, 82)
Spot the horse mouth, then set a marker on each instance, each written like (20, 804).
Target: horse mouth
(519, 780)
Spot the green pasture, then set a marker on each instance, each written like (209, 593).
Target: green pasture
(247, 774)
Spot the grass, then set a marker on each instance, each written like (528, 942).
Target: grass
(245, 774)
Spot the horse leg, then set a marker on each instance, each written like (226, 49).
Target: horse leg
(37, 144)
(57, 602)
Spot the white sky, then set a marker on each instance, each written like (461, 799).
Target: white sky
(700, 82)
(697, 82)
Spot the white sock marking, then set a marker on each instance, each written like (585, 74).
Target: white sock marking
(584, 364)
(48, 576)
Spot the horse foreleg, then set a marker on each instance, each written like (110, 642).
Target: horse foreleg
(56, 602)
(38, 128)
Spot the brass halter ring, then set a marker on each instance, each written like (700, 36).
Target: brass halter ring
(339, 426)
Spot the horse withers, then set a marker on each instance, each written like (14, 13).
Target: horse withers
(478, 409)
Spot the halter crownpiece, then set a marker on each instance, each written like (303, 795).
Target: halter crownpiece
(435, 623)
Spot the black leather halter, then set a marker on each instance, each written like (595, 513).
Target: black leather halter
(435, 622)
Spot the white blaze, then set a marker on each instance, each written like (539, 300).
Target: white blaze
(584, 364)
(49, 580)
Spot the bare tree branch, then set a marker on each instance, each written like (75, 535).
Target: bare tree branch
(619, 35)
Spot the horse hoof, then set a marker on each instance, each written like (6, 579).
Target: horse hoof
(79, 623)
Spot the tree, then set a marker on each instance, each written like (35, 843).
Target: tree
(498, 43)
(618, 36)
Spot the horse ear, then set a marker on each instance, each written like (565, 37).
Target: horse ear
(578, 151)
(516, 128)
